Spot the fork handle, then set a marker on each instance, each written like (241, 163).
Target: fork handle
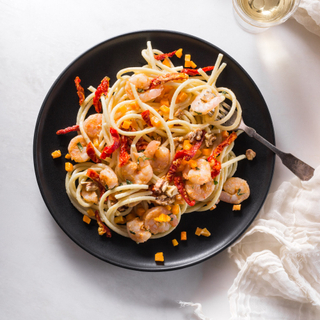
(302, 170)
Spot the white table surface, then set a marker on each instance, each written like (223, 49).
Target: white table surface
(43, 274)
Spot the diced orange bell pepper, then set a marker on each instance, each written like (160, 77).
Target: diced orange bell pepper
(183, 235)
(179, 53)
(159, 257)
(86, 219)
(68, 166)
(56, 154)
(175, 242)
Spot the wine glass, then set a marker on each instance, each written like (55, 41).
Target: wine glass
(256, 16)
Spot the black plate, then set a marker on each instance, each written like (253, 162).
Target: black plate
(59, 110)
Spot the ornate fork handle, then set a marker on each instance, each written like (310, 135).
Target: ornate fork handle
(298, 167)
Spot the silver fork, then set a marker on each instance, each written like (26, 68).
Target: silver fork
(302, 170)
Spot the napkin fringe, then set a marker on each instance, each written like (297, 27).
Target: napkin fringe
(198, 309)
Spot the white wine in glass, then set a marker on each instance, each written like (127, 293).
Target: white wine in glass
(264, 13)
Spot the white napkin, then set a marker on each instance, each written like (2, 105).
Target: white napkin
(308, 14)
(279, 258)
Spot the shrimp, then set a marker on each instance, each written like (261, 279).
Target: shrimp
(92, 125)
(199, 192)
(78, 150)
(200, 174)
(235, 190)
(142, 83)
(199, 183)
(138, 172)
(206, 101)
(108, 177)
(159, 157)
(137, 232)
(156, 226)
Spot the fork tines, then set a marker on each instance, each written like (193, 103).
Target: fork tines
(224, 109)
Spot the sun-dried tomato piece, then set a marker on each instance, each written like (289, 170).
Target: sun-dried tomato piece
(102, 89)
(105, 229)
(108, 150)
(184, 154)
(94, 175)
(91, 153)
(182, 190)
(222, 145)
(141, 144)
(173, 169)
(215, 167)
(165, 55)
(168, 77)
(80, 90)
(124, 155)
(209, 68)
(195, 72)
(68, 129)
(214, 163)
(146, 117)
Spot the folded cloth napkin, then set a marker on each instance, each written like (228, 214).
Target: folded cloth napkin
(279, 258)
(308, 14)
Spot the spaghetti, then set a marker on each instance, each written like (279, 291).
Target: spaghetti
(155, 149)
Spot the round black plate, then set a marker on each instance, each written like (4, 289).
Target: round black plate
(59, 110)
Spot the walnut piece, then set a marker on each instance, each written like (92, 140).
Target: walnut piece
(209, 139)
(195, 135)
(164, 200)
(250, 154)
(178, 113)
(172, 191)
(160, 186)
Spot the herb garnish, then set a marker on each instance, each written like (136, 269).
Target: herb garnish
(80, 147)
(143, 159)
(239, 192)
